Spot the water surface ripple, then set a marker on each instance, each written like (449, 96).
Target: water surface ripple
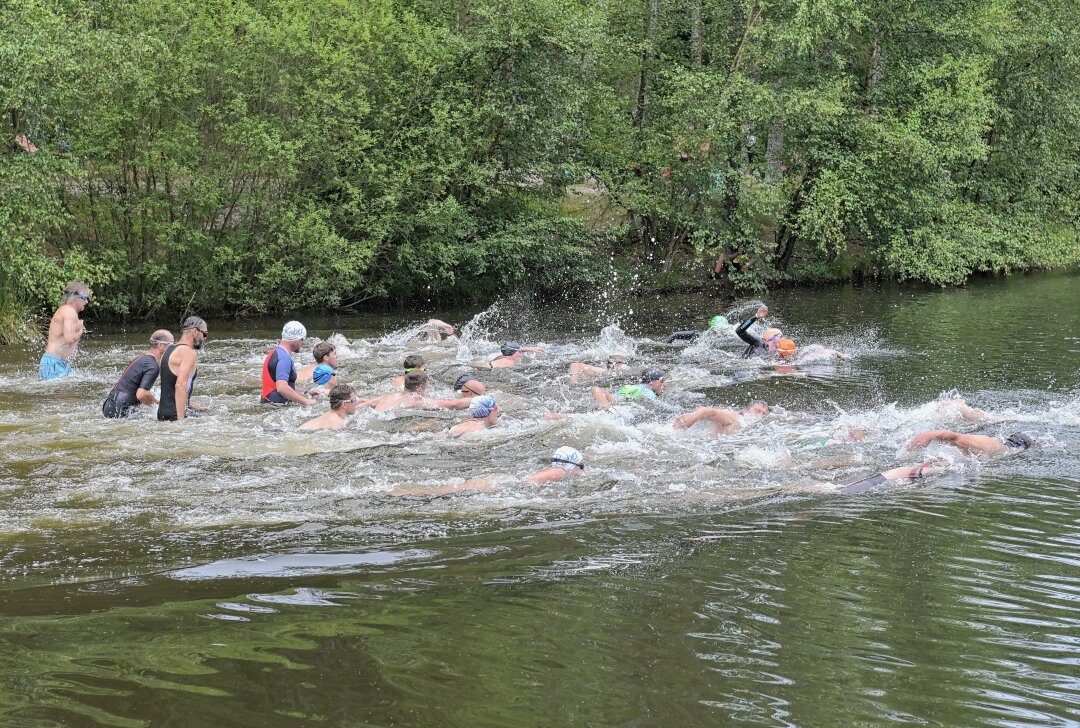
(236, 572)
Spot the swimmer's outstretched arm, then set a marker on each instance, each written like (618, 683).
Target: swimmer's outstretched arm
(743, 330)
(437, 324)
(925, 438)
(719, 417)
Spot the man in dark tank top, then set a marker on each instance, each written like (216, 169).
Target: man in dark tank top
(133, 387)
(178, 371)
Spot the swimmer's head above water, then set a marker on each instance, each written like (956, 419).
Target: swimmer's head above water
(1019, 442)
(413, 363)
(509, 348)
(568, 459)
(482, 407)
(655, 379)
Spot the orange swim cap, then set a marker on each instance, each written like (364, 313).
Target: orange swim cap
(786, 348)
(770, 334)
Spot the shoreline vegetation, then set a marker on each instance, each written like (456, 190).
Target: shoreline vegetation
(262, 155)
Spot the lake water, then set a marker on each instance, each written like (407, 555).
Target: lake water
(231, 571)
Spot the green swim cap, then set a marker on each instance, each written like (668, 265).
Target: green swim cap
(718, 321)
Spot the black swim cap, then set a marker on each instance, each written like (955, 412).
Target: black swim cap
(509, 348)
(462, 381)
(1019, 441)
(651, 375)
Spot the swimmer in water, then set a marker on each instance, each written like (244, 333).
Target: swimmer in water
(906, 473)
(65, 331)
(580, 371)
(566, 462)
(323, 373)
(510, 354)
(653, 383)
(437, 329)
(412, 363)
(1014, 444)
(467, 387)
(723, 421)
(179, 368)
(483, 412)
(343, 404)
(133, 387)
(414, 396)
(279, 370)
(767, 344)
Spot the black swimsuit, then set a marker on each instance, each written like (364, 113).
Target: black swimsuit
(123, 399)
(167, 406)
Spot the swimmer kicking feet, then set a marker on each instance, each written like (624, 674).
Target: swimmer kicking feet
(723, 421)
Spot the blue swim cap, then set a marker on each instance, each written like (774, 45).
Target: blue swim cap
(322, 374)
(509, 348)
(481, 407)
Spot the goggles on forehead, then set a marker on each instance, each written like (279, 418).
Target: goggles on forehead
(159, 341)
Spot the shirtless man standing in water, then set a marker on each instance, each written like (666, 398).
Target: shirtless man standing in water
(65, 330)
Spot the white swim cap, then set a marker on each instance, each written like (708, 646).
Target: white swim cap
(293, 331)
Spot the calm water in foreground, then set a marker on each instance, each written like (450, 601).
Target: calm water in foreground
(234, 572)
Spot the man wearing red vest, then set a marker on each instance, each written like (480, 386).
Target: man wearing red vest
(279, 372)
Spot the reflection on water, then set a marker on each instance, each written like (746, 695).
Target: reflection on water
(234, 571)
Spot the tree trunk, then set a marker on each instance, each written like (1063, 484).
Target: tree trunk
(652, 11)
(695, 32)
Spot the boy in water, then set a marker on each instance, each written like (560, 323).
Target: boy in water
(323, 373)
(343, 405)
(65, 330)
(412, 363)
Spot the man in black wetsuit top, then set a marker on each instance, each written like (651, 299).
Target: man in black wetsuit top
(179, 369)
(756, 346)
(133, 387)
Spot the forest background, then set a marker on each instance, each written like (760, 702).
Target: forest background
(243, 156)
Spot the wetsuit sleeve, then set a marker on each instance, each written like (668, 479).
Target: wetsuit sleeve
(149, 374)
(743, 332)
(682, 336)
(283, 369)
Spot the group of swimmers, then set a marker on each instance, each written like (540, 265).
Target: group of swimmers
(174, 361)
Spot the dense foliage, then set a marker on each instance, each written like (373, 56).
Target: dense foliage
(267, 154)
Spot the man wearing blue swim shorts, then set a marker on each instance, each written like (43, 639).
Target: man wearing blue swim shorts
(65, 330)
